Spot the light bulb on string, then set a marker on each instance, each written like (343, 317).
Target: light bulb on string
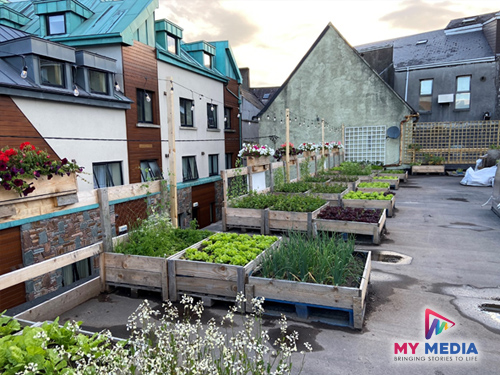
(75, 91)
(148, 98)
(24, 72)
(212, 105)
(274, 119)
(239, 115)
(192, 107)
(268, 117)
(117, 86)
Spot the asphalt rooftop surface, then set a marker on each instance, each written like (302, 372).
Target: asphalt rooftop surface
(454, 247)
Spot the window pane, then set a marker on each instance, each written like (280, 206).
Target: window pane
(98, 82)
(426, 87)
(186, 112)
(150, 170)
(189, 168)
(144, 108)
(425, 104)
(51, 73)
(229, 158)
(212, 116)
(172, 44)
(213, 165)
(462, 101)
(463, 84)
(227, 118)
(56, 24)
(107, 174)
(207, 60)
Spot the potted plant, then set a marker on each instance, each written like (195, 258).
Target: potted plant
(430, 164)
(27, 170)
(256, 154)
(336, 147)
(280, 153)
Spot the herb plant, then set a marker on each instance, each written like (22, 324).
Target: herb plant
(385, 177)
(315, 179)
(328, 189)
(293, 187)
(320, 260)
(230, 248)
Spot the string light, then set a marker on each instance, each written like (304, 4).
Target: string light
(75, 91)
(117, 86)
(146, 95)
(24, 72)
(212, 105)
(239, 115)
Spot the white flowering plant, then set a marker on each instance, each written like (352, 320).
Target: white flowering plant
(308, 146)
(337, 145)
(171, 342)
(255, 150)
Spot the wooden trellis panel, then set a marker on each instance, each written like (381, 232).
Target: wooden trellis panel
(457, 142)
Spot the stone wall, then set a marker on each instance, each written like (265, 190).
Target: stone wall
(219, 200)
(184, 206)
(49, 238)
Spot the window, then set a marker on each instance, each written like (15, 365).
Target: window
(98, 82)
(189, 168)
(212, 116)
(56, 24)
(76, 271)
(150, 170)
(107, 174)
(51, 73)
(207, 60)
(462, 98)
(172, 44)
(229, 160)
(425, 101)
(213, 165)
(227, 118)
(186, 106)
(144, 106)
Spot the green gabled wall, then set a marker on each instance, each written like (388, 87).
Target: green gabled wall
(333, 82)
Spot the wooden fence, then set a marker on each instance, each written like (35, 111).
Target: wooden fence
(457, 142)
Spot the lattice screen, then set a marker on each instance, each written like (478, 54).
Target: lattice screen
(365, 143)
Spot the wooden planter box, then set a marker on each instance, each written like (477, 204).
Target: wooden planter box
(372, 190)
(365, 203)
(209, 281)
(257, 161)
(308, 298)
(355, 227)
(284, 220)
(245, 218)
(427, 169)
(330, 197)
(44, 188)
(309, 154)
(394, 183)
(402, 176)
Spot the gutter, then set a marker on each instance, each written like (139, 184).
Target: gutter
(451, 63)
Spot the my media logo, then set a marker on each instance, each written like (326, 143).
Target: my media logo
(440, 351)
(436, 325)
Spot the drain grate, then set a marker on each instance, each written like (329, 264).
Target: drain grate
(390, 257)
(490, 307)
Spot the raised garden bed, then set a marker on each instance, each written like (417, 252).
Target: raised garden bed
(298, 297)
(392, 180)
(403, 175)
(214, 281)
(370, 200)
(347, 220)
(273, 212)
(427, 169)
(370, 187)
(137, 271)
(329, 192)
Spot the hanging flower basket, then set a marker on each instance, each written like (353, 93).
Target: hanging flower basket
(308, 154)
(253, 161)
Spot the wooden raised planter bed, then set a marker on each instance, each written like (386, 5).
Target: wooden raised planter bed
(308, 298)
(331, 197)
(394, 183)
(355, 227)
(373, 203)
(402, 176)
(284, 220)
(209, 281)
(427, 169)
(372, 190)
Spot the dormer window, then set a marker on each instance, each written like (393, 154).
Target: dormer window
(98, 82)
(207, 60)
(172, 44)
(56, 24)
(51, 73)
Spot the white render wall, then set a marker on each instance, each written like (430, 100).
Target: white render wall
(200, 139)
(55, 119)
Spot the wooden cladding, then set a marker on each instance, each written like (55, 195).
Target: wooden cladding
(232, 137)
(204, 195)
(140, 73)
(14, 123)
(12, 259)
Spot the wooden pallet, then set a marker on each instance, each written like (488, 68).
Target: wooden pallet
(339, 226)
(305, 297)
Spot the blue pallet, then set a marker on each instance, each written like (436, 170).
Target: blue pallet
(310, 313)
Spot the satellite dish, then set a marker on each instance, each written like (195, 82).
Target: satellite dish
(393, 132)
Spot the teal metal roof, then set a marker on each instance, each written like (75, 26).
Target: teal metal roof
(108, 21)
(225, 62)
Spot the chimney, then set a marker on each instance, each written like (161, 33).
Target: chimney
(245, 75)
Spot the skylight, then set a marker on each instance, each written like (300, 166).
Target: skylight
(423, 41)
(471, 19)
(266, 96)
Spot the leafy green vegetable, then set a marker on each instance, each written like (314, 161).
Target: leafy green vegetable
(297, 203)
(380, 185)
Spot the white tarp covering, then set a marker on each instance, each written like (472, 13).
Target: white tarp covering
(481, 177)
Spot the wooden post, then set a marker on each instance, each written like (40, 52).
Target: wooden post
(287, 149)
(322, 137)
(271, 176)
(107, 234)
(172, 166)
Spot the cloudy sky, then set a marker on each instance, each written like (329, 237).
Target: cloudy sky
(271, 36)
